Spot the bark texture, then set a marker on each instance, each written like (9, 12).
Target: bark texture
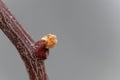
(23, 43)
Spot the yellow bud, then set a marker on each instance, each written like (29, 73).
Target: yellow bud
(50, 40)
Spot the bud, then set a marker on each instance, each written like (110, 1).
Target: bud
(49, 40)
(43, 45)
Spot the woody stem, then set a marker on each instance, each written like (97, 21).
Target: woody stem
(22, 41)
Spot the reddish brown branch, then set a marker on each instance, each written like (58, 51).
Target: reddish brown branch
(23, 43)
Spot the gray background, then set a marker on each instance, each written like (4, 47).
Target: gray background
(88, 34)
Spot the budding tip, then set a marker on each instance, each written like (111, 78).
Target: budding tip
(50, 40)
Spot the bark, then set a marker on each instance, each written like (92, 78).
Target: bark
(23, 43)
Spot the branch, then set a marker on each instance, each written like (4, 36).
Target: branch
(32, 53)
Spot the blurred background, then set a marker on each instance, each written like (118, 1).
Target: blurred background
(88, 34)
